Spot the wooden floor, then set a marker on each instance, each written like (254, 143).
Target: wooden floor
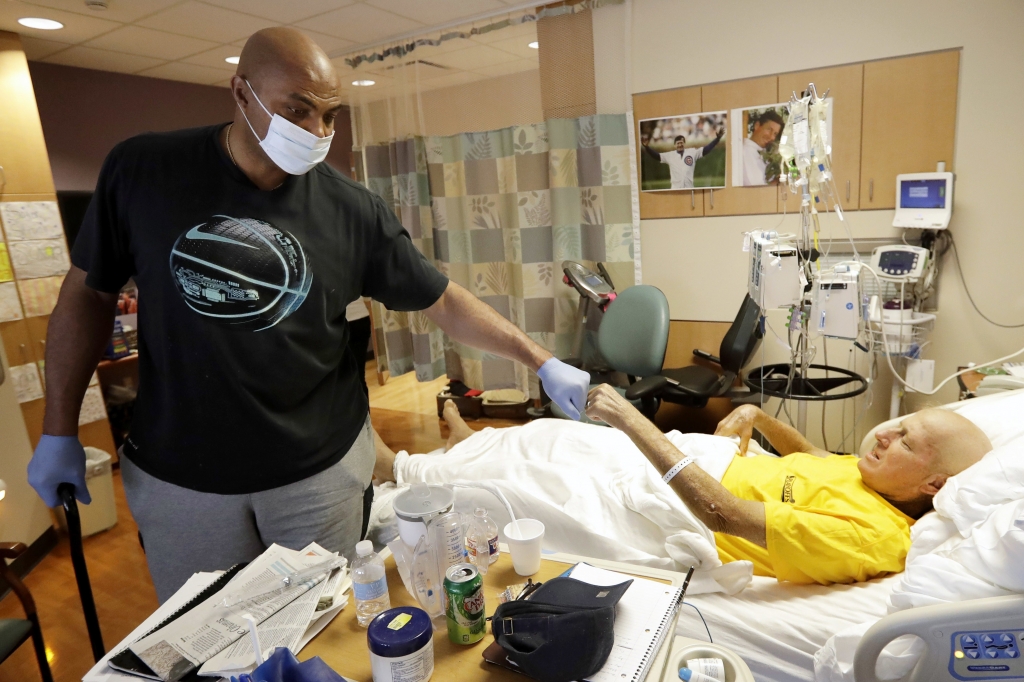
(403, 411)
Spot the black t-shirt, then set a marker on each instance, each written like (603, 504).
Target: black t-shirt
(245, 379)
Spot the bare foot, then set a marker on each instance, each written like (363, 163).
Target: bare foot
(458, 430)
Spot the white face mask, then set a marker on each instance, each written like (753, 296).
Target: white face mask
(294, 149)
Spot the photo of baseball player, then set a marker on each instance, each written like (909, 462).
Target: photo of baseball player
(683, 152)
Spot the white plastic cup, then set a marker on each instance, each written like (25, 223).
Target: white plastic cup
(524, 538)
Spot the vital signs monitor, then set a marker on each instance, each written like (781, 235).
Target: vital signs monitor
(924, 200)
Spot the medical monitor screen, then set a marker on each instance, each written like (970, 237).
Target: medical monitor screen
(923, 193)
(902, 261)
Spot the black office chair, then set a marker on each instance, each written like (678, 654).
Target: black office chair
(14, 631)
(694, 385)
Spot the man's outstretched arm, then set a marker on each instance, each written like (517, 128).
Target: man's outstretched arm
(651, 153)
(711, 145)
(709, 500)
(468, 320)
(784, 438)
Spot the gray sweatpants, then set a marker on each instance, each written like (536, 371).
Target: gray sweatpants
(185, 531)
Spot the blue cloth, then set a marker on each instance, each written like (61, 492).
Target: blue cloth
(566, 385)
(282, 666)
(58, 459)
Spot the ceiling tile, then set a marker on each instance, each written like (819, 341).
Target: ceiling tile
(451, 80)
(125, 11)
(507, 68)
(360, 23)
(518, 46)
(527, 30)
(150, 43)
(215, 58)
(474, 57)
(103, 60)
(200, 20)
(77, 27)
(277, 10)
(37, 48)
(437, 12)
(328, 43)
(193, 73)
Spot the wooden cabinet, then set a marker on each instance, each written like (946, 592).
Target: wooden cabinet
(909, 121)
(844, 84)
(666, 103)
(22, 149)
(732, 95)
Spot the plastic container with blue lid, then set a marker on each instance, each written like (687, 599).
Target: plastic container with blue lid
(401, 643)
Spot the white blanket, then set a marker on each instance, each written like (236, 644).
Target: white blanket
(971, 547)
(595, 492)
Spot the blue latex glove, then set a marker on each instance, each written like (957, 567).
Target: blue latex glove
(58, 459)
(566, 385)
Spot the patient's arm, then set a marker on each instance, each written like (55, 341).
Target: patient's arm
(784, 438)
(709, 500)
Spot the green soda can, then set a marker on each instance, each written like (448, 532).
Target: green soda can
(464, 604)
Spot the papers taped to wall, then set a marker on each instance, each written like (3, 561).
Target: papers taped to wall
(6, 273)
(29, 220)
(39, 296)
(40, 258)
(93, 407)
(27, 386)
(10, 306)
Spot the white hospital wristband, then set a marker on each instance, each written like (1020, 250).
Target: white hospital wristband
(680, 465)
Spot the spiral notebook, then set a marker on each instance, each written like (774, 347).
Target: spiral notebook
(643, 620)
(126, 661)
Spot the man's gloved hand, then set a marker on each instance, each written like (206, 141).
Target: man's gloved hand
(566, 385)
(58, 459)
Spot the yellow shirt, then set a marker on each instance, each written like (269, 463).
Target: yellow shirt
(823, 524)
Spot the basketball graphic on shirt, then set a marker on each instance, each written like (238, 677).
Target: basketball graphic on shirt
(240, 272)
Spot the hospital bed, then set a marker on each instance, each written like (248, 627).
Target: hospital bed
(777, 627)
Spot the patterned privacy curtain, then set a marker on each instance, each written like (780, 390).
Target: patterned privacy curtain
(498, 212)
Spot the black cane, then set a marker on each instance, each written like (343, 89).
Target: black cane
(92, 622)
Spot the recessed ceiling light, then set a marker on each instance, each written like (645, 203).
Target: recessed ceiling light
(535, 45)
(364, 83)
(42, 24)
(231, 60)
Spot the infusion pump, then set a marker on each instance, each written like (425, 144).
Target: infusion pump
(899, 262)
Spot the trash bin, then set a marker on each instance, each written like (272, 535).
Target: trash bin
(101, 514)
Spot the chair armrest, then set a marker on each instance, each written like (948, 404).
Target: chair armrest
(647, 387)
(707, 356)
(11, 550)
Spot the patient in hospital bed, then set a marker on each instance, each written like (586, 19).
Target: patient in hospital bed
(807, 517)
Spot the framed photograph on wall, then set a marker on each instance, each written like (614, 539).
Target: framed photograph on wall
(756, 133)
(683, 152)
(755, 144)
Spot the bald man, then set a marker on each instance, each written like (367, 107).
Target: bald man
(251, 425)
(810, 515)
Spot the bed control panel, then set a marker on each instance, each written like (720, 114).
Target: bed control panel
(987, 655)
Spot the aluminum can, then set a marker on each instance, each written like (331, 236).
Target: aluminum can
(464, 604)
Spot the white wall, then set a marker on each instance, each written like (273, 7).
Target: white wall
(698, 263)
(23, 516)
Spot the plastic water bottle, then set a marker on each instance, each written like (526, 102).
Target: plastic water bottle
(369, 583)
(482, 540)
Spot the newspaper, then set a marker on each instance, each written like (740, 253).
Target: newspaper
(285, 628)
(202, 633)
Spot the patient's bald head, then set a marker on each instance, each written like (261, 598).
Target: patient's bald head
(912, 460)
(291, 76)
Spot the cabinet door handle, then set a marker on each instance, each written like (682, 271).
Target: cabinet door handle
(847, 190)
(693, 201)
(871, 190)
(712, 200)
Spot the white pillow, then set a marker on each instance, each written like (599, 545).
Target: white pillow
(1000, 416)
